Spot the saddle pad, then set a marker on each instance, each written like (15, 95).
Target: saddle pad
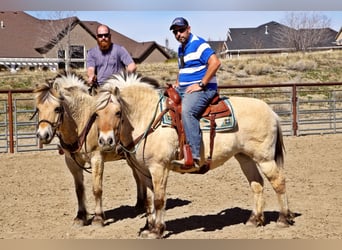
(222, 124)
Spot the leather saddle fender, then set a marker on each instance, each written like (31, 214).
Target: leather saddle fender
(216, 109)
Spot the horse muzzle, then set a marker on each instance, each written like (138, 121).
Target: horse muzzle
(44, 137)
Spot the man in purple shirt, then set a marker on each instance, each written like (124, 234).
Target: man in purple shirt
(107, 58)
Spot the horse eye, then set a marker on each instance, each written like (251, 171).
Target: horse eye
(58, 110)
(118, 114)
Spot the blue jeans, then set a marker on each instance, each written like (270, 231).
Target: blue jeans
(193, 106)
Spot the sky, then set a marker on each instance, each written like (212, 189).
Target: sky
(149, 20)
(143, 26)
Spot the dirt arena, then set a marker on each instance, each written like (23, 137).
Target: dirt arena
(38, 199)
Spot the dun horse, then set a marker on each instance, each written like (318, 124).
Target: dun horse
(256, 143)
(66, 109)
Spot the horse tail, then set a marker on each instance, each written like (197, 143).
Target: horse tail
(280, 147)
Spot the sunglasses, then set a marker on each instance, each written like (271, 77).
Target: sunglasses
(181, 30)
(103, 35)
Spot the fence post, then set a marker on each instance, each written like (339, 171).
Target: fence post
(10, 121)
(294, 109)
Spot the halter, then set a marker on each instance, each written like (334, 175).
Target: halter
(55, 125)
(75, 146)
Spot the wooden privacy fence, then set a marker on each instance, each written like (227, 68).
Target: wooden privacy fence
(304, 108)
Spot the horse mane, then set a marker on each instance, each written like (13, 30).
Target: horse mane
(45, 92)
(68, 87)
(124, 79)
(124, 82)
(70, 81)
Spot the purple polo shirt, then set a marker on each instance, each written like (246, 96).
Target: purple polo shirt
(106, 64)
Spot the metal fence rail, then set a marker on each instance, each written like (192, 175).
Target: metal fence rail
(304, 109)
(3, 126)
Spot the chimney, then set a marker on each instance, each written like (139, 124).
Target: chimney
(266, 30)
(2, 25)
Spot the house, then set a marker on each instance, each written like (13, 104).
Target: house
(220, 48)
(30, 42)
(272, 37)
(141, 52)
(339, 38)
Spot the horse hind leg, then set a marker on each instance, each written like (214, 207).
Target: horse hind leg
(140, 205)
(250, 170)
(276, 177)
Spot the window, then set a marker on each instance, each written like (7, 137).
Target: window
(61, 54)
(77, 52)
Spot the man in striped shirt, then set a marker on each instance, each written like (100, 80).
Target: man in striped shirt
(196, 82)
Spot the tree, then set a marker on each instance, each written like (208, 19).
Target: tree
(56, 30)
(303, 30)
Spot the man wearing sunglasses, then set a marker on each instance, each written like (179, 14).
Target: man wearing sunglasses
(107, 58)
(196, 83)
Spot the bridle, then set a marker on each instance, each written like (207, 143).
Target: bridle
(54, 125)
(76, 146)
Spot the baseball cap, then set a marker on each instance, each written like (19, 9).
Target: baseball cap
(179, 22)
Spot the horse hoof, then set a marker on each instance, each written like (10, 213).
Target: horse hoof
(255, 220)
(98, 221)
(285, 220)
(146, 234)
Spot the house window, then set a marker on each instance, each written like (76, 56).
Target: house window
(77, 56)
(77, 52)
(61, 54)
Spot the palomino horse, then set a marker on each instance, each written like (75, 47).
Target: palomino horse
(67, 110)
(256, 143)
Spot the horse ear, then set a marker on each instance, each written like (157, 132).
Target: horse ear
(61, 95)
(117, 92)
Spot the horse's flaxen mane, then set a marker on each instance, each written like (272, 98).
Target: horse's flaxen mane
(50, 89)
(122, 86)
(123, 79)
(74, 93)
(45, 92)
(70, 81)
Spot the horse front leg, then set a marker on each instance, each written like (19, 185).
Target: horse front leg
(156, 202)
(97, 166)
(81, 218)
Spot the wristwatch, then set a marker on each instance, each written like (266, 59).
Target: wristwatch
(201, 84)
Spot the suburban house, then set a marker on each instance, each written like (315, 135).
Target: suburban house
(30, 42)
(339, 38)
(273, 37)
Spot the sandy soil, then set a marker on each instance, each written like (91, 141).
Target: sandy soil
(38, 199)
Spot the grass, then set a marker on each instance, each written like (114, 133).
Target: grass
(254, 69)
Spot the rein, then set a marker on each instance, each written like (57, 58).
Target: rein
(75, 147)
(81, 139)
(152, 126)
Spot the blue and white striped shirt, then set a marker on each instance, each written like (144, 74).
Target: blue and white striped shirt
(192, 62)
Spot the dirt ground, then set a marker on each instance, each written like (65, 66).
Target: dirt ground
(38, 199)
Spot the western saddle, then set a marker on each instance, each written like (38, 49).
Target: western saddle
(216, 109)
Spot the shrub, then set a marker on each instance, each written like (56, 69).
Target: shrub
(302, 65)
